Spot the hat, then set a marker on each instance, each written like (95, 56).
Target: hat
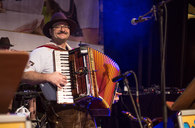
(57, 17)
(4, 41)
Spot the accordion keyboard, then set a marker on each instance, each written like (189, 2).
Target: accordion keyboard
(64, 94)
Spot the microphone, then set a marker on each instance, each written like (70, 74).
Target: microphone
(135, 21)
(120, 77)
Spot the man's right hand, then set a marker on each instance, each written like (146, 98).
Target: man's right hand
(57, 79)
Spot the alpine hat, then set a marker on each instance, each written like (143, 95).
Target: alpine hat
(57, 17)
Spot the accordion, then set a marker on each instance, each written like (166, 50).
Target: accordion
(89, 74)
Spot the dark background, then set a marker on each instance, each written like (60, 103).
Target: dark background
(137, 48)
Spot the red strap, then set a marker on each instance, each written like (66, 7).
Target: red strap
(51, 46)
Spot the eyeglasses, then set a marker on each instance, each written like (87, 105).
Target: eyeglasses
(58, 27)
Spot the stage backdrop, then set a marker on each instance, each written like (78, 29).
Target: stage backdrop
(22, 21)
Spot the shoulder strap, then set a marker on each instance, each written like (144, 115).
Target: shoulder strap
(51, 46)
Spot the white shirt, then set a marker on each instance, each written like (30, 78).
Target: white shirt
(41, 60)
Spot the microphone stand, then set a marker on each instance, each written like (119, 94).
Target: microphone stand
(152, 10)
(163, 40)
(126, 83)
(162, 11)
(163, 30)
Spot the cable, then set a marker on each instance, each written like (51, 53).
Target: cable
(137, 93)
(131, 97)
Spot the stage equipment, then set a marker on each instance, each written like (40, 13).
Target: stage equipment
(161, 10)
(143, 18)
(27, 102)
(126, 84)
(14, 121)
(12, 66)
(89, 73)
(120, 77)
(145, 120)
(186, 118)
(135, 21)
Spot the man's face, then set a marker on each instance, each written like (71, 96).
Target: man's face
(60, 31)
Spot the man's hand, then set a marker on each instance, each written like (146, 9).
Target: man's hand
(57, 79)
(116, 97)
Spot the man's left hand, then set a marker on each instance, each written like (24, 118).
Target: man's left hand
(116, 97)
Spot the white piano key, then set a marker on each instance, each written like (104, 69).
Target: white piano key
(65, 93)
(64, 62)
(66, 71)
(67, 97)
(64, 55)
(63, 96)
(64, 89)
(66, 74)
(68, 77)
(65, 65)
(67, 89)
(67, 86)
(67, 101)
(64, 68)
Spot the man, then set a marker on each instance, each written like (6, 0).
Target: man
(85, 12)
(41, 69)
(5, 43)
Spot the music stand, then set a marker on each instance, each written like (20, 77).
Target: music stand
(12, 64)
(186, 100)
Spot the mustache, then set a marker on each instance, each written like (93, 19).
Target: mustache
(62, 32)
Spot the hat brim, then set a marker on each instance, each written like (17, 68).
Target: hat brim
(48, 25)
(10, 45)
